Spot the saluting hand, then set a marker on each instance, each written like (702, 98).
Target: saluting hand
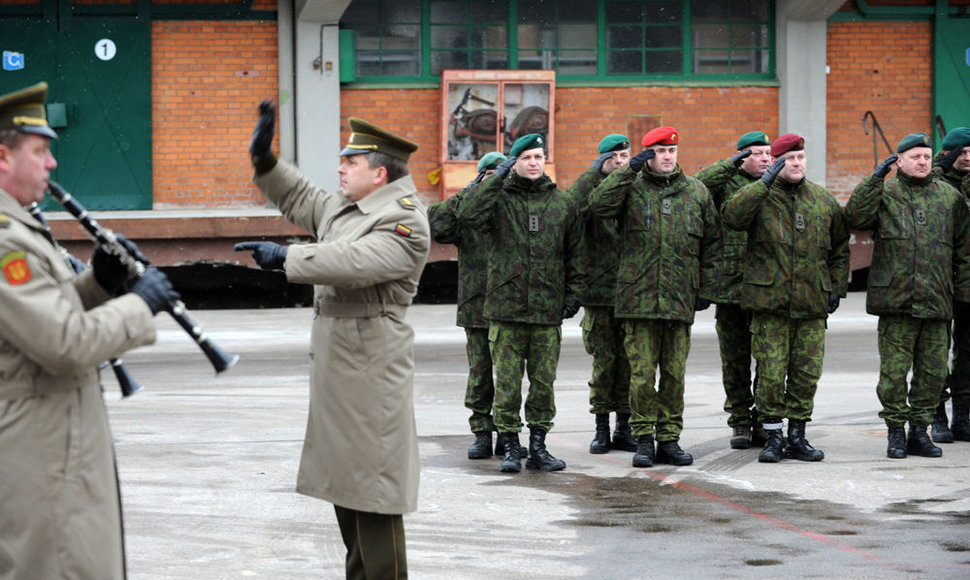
(738, 158)
(603, 158)
(260, 146)
(882, 170)
(637, 161)
(947, 161)
(769, 176)
(504, 167)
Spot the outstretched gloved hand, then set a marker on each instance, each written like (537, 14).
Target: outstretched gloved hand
(268, 255)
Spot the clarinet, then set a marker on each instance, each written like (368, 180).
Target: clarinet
(129, 386)
(109, 243)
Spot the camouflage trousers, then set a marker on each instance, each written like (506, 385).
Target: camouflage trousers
(733, 326)
(910, 343)
(651, 343)
(788, 353)
(517, 348)
(609, 387)
(480, 390)
(957, 383)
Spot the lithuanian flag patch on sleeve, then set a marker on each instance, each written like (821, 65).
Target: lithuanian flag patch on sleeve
(403, 230)
(15, 267)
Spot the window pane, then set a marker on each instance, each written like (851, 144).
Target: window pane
(618, 11)
(577, 11)
(750, 10)
(489, 11)
(536, 11)
(577, 62)
(624, 37)
(401, 63)
(447, 59)
(577, 36)
(665, 12)
(667, 61)
(447, 12)
(710, 35)
(360, 11)
(749, 35)
(662, 36)
(621, 62)
(449, 37)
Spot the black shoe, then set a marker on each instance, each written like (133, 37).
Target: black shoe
(623, 439)
(671, 453)
(482, 447)
(772, 452)
(511, 462)
(741, 437)
(500, 446)
(919, 443)
(758, 436)
(897, 443)
(940, 429)
(539, 458)
(798, 446)
(601, 440)
(961, 422)
(644, 454)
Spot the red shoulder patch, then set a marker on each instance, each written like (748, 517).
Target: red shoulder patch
(15, 267)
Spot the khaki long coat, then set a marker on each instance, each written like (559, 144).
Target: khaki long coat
(60, 515)
(361, 449)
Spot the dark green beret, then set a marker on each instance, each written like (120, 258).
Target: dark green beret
(914, 140)
(956, 139)
(490, 161)
(24, 111)
(526, 142)
(753, 138)
(614, 142)
(366, 137)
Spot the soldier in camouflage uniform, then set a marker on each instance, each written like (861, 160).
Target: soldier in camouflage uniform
(920, 264)
(670, 233)
(796, 269)
(534, 282)
(733, 324)
(953, 165)
(479, 391)
(609, 386)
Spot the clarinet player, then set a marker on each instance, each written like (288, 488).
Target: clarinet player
(61, 511)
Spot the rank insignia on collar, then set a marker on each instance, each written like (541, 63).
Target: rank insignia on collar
(407, 202)
(403, 230)
(4, 221)
(15, 267)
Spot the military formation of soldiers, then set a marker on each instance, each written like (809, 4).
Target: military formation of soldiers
(642, 246)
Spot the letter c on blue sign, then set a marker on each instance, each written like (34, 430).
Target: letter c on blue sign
(13, 60)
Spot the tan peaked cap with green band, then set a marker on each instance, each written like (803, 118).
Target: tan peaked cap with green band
(24, 111)
(366, 138)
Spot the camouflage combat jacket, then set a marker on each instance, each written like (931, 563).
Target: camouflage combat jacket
(472, 258)
(921, 258)
(960, 181)
(798, 247)
(723, 180)
(670, 233)
(534, 247)
(601, 241)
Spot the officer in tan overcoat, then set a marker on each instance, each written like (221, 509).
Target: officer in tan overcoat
(372, 241)
(60, 514)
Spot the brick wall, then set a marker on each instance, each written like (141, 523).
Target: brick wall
(207, 78)
(710, 121)
(883, 67)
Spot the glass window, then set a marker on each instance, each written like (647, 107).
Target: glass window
(730, 37)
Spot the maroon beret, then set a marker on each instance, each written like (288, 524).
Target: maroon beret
(660, 136)
(785, 143)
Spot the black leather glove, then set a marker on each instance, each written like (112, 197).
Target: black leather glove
(156, 290)
(478, 179)
(833, 302)
(738, 158)
(260, 148)
(637, 161)
(960, 308)
(504, 167)
(769, 176)
(884, 167)
(701, 303)
(947, 161)
(268, 255)
(110, 272)
(599, 161)
(569, 310)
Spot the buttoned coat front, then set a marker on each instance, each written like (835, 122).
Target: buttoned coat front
(361, 449)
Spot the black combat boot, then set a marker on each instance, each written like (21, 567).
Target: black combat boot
(511, 462)
(774, 441)
(798, 446)
(539, 458)
(500, 446)
(601, 440)
(919, 443)
(671, 453)
(623, 436)
(897, 443)
(741, 437)
(961, 421)
(644, 453)
(940, 429)
(482, 447)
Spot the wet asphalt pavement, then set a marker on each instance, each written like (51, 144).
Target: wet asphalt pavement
(208, 467)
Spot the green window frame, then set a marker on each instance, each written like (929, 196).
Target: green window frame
(585, 41)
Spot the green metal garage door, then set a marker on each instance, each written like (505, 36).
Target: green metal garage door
(952, 82)
(97, 61)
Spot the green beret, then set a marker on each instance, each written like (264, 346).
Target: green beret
(24, 111)
(956, 139)
(614, 142)
(526, 142)
(490, 161)
(914, 140)
(753, 138)
(366, 137)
